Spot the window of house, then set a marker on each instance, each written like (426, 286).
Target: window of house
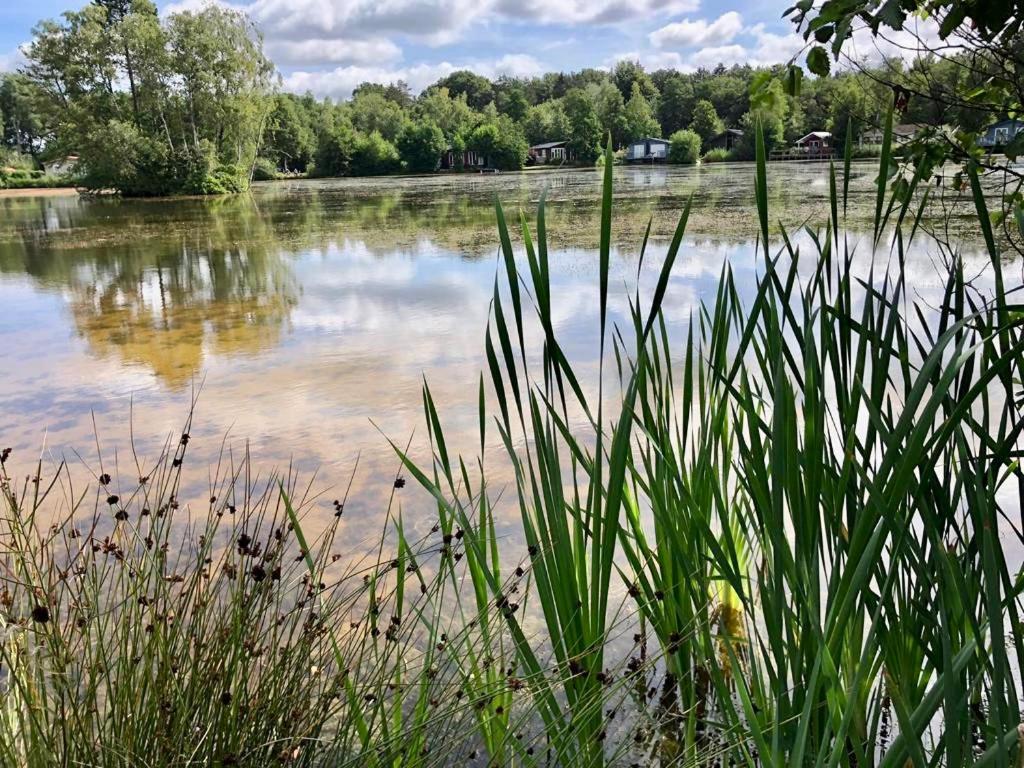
(1002, 135)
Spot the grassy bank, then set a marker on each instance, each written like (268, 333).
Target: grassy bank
(781, 540)
(15, 178)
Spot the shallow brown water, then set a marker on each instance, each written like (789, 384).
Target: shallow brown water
(310, 312)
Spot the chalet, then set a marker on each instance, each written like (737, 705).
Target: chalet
(1000, 134)
(648, 149)
(815, 141)
(61, 166)
(551, 152)
(727, 139)
(467, 159)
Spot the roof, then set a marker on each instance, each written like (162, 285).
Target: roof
(645, 139)
(549, 145)
(729, 132)
(815, 135)
(999, 123)
(901, 129)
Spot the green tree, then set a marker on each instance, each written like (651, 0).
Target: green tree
(478, 90)
(546, 122)
(611, 111)
(629, 74)
(676, 106)
(372, 111)
(452, 114)
(502, 142)
(289, 141)
(22, 124)
(705, 122)
(373, 155)
(640, 120)
(684, 147)
(335, 147)
(584, 127)
(184, 100)
(420, 145)
(772, 126)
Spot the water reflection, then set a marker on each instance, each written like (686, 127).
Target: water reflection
(309, 308)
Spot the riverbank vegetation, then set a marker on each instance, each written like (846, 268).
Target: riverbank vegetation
(781, 540)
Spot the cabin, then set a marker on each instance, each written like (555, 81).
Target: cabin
(901, 134)
(1000, 134)
(61, 166)
(815, 141)
(727, 139)
(551, 152)
(470, 160)
(647, 150)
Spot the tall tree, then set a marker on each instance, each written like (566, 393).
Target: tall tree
(584, 128)
(640, 119)
(705, 122)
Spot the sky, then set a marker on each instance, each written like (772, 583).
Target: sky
(330, 46)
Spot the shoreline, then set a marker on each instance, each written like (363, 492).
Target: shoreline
(38, 192)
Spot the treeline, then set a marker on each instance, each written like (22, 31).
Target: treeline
(187, 104)
(385, 128)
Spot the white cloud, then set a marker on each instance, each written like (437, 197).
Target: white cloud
(687, 33)
(590, 11)
(11, 60)
(720, 54)
(915, 39)
(334, 51)
(339, 83)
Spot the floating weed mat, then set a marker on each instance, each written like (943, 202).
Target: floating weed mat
(781, 540)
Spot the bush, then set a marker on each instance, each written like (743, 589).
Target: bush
(334, 151)
(421, 145)
(374, 155)
(684, 147)
(118, 157)
(502, 142)
(717, 155)
(264, 170)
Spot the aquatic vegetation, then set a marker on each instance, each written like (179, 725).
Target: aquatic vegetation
(781, 540)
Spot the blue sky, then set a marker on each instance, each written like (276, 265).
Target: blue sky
(330, 46)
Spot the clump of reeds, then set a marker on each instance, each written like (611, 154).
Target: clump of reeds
(806, 498)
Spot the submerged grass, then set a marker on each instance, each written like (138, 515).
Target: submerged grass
(799, 513)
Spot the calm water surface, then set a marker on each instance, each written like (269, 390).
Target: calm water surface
(309, 312)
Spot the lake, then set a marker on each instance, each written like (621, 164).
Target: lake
(307, 314)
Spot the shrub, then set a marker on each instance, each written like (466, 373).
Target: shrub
(334, 151)
(684, 147)
(502, 142)
(373, 155)
(264, 170)
(717, 155)
(420, 146)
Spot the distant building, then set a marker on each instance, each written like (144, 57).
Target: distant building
(649, 150)
(1000, 134)
(61, 166)
(901, 134)
(815, 141)
(470, 160)
(727, 139)
(551, 152)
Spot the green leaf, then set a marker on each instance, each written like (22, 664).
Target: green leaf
(818, 61)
